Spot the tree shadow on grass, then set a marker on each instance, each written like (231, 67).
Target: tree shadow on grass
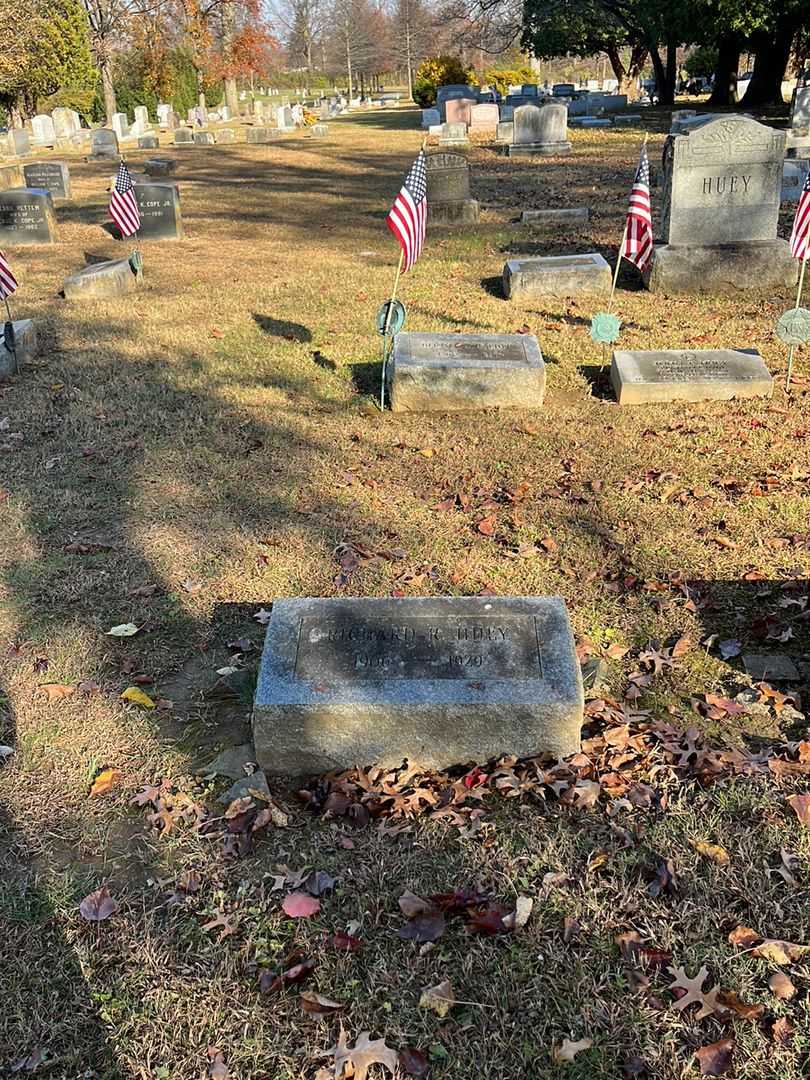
(283, 328)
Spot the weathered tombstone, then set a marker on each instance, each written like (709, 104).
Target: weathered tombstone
(164, 111)
(44, 133)
(592, 122)
(65, 122)
(53, 176)
(142, 122)
(640, 378)
(722, 188)
(454, 135)
(24, 346)
(458, 110)
(204, 138)
(159, 166)
(26, 217)
(183, 136)
(104, 144)
(540, 129)
(434, 680)
(319, 131)
(448, 187)
(459, 372)
(555, 275)
(226, 135)
(505, 132)
(285, 118)
(627, 119)
(484, 119)
(800, 107)
(10, 177)
(430, 116)
(18, 142)
(797, 145)
(102, 281)
(159, 207)
(262, 135)
(579, 215)
(148, 142)
(225, 114)
(120, 125)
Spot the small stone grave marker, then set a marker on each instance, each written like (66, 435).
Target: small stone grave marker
(25, 347)
(460, 372)
(204, 138)
(44, 132)
(183, 136)
(104, 143)
(26, 217)
(448, 185)
(689, 375)
(53, 176)
(434, 680)
(148, 142)
(159, 206)
(579, 215)
(453, 135)
(102, 281)
(555, 275)
(540, 129)
(159, 166)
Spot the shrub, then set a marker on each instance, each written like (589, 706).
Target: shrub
(438, 71)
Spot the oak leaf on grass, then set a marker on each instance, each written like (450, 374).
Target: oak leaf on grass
(357, 1060)
(316, 1004)
(568, 1049)
(801, 807)
(136, 696)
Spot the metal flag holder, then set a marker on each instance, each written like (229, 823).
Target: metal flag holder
(390, 320)
(10, 338)
(793, 327)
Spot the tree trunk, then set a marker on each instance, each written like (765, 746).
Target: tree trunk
(660, 74)
(772, 52)
(638, 58)
(666, 96)
(349, 61)
(725, 77)
(110, 106)
(409, 58)
(619, 72)
(200, 87)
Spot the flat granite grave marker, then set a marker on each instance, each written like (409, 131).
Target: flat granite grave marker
(555, 275)
(579, 215)
(159, 206)
(721, 196)
(53, 176)
(102, 281)
(435, 680)
(183, 136)
(25, 347)
(640, 378)
(460, 372)
(26, 217)
(448, 185)
(159, 166)
(204, 138)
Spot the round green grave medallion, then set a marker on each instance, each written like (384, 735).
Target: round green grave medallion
(605, 327)
(794, 326)
(395, 321)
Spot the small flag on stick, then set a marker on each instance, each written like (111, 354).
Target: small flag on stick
(123, 204)
(637, 247)
(8, 283)
(799, 241)
(407, 218)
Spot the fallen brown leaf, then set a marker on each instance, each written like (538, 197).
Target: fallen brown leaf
(715, 1058)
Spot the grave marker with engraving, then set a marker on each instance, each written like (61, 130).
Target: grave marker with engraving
(104, 143)
(434, 680)
(460, 372)
(555, 275)
(159, 206)
(53, 176)
(721, 196)
(640, 378)
(540, 129)
(26, 217)
(448, 186)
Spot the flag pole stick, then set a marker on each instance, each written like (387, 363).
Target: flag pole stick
(387, 325)
(798, 303)
(13, 338)
(618, 264)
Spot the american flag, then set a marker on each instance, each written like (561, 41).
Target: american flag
(8, 283)
(123, 204)
(799, 241)
(638, 243)
(408, 216)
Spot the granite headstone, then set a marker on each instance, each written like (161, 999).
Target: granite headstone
(26, 217)
(53, 176)
(640, 378)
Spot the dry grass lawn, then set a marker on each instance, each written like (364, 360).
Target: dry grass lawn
(179, 458)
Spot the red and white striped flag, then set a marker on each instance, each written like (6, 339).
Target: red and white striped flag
(8, 283)
(407, 218)
(638, 242)
(123, 204)
(799, 242)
